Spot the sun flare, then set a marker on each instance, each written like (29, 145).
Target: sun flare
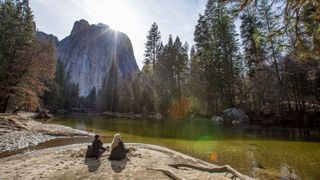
(118, 14)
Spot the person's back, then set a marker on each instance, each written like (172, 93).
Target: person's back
(118, 151)
(97, 147)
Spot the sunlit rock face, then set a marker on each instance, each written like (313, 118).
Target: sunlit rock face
(88, 51)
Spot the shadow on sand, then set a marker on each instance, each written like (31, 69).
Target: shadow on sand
(119, 166)
(92, 163)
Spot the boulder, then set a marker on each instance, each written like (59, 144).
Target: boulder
(235, 122)
(158, 116)
(235, 116)
(43, 114)
(217, 120)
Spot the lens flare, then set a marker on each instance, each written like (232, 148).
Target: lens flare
(213, 156)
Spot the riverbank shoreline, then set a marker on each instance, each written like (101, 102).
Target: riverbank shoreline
(21, 131)
(68, 162)
(133, 116)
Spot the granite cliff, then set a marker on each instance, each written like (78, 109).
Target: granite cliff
(88, 52)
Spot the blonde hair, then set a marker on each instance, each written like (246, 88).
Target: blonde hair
(115, 141)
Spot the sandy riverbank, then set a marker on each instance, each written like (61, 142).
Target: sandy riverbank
(68, 162)
(21, 131)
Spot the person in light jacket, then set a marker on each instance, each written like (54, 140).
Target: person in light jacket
(118, 150)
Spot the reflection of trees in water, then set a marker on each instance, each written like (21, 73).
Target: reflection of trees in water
(192, 129)
(283, 133)
(81, 125)
(95, 125)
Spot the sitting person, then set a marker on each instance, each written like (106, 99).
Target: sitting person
(98, 150)
(118, 151)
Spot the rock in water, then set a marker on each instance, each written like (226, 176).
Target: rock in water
(217, 120)
(88, 52)
(235, 116)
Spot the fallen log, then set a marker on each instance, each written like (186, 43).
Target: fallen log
(167, 172)
(226, 168)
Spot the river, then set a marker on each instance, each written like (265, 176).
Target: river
(266, 153)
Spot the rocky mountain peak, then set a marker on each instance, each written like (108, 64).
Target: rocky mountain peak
(80, 26)
(88, 53)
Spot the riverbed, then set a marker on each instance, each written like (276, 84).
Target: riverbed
(267, 153)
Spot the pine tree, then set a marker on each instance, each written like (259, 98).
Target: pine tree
(111, 88)
(218, 55)
(136, 93)
(254, 55)
(194, 74)
(54, 97)
(152, 46)
(91, 99)
(271, 41)
(252, 41)
(273, 51)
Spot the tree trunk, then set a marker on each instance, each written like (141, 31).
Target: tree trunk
(5, 104)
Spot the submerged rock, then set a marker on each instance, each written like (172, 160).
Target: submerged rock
(217, 120)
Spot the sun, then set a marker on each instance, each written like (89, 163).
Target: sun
(118, 14)
(121, 15)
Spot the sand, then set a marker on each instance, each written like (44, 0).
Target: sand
(68, 162)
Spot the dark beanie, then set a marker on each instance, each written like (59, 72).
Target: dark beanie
(96, 136)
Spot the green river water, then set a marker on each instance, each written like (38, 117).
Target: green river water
(265, 153)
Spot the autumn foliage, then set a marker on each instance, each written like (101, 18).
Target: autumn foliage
(179, 108)
(26, 63)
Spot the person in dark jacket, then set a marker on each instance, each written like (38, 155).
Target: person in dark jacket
(98, 149)
(118, 151)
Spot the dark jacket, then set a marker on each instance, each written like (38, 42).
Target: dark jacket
(119, 152)
(97, 147)
(97, 144)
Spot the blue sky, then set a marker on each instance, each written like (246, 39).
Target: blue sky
(133, 17)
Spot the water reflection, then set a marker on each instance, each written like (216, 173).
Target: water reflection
(189, 129)
(80, 125)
